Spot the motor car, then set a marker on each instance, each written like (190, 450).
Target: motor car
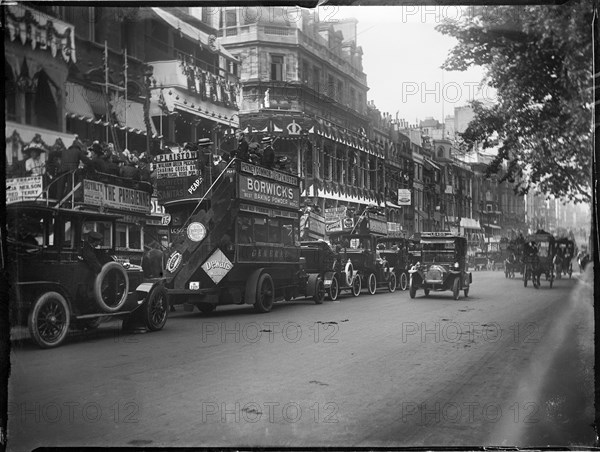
(442, 266)
(358, 253)
(325, 262)
(53, 290)
(396, 252)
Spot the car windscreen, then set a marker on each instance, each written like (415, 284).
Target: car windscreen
(438, 251)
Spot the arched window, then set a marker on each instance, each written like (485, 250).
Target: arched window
(440, 152)
(10, 88)
(45, 105)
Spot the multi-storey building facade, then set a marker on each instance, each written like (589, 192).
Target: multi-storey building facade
(303, 84)
(146, 76)
(38, 51)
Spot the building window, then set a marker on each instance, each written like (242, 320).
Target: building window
(316, 81)
(277, 67)
(230, 18)
(340, 91)
(305, 72)
(330, 86)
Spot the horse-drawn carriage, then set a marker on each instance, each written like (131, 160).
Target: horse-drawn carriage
(538, 258)
(563, 259)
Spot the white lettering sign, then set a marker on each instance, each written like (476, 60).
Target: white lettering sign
(217, 266)
(23, 188)
(116, 197)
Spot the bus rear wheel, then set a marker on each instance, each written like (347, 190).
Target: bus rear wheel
(265, 293)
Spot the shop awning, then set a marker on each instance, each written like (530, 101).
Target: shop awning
(174, 99)
(391, 204)
(470, 223)
(491, 226)
(135, 116)
(192, 32)
(433, 165)
(76, 102)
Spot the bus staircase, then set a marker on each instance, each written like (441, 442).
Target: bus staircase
(45, 194)
(218, 220)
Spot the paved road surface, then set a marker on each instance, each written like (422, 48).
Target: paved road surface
(507, 366)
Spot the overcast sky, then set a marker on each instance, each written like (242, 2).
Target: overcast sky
(402, 55)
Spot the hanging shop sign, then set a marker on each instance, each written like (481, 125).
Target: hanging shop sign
(404, 197)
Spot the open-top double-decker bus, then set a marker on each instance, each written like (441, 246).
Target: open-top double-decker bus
(237, 240)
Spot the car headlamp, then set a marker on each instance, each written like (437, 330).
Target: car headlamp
(456, 265)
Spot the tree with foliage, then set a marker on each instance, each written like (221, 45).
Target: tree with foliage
(539, 61)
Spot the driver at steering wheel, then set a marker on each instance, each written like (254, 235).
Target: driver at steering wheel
(89, 251)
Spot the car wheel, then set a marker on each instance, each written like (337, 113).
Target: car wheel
(356, 285)
(456, 288)
(403, 281)
(392, 283)
(111, 287)
(156, 310)
(334, 289)
(319, 295)
(49, 320)
(372, 283)
(412, 291)
(265, 293)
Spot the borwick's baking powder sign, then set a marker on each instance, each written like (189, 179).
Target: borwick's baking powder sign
(217, 266)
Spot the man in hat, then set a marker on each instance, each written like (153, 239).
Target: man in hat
(98, 163)
(268, 156)
(204, 152)
(242, 151)
(89, 251)
(69, 162)
(34, 165)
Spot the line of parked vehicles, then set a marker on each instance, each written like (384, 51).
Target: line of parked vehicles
(239, 245)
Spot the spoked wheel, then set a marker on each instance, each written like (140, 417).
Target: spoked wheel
(334, 289)
(265, 293)
(392, 282)
(356, 285)
(319, 295)
(49, 320)
(403, 281)
(412, 291)
(456, 288)
(156, 310)
(372, 283)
